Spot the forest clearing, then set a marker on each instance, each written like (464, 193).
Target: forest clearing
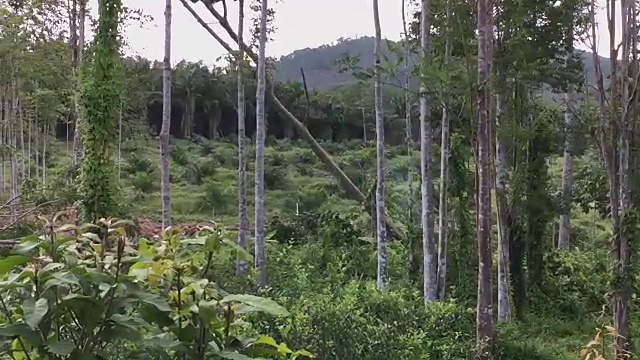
(467, 192)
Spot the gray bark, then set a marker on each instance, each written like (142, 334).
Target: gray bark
(430, 278)
(381, 229)
(484, 322)
(165, 185)
(564, 229)
(241, 267)
(77, 133)
(443, 211)
(504, 305)
(260, 258)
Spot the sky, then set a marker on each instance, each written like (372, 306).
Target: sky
(299, 24)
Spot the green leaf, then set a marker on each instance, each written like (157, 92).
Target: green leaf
(233, 355)
(164, 340)
(51, 267)
(155, 300)
(24, 247)
(34, 313)
(62, 348)
(11, 262)
(265, 305)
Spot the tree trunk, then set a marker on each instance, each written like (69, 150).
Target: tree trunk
(504, 304)
(430, 277)
(564, 229)
(77, 133)
(381, 233)
(165, 182)
(241, 267)
(352, 191)
(484, 323)
(260, 259)
(443, 211)
(13, 156)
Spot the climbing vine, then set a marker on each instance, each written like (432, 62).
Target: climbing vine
(101, 89)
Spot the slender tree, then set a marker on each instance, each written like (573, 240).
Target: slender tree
(443, 212)
(242, 167)
(564, 229)
(165, 184)
(260, 258)
(78, 61)
(381, 163)
(430, 264)
(484, 322)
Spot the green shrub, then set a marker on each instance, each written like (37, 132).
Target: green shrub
(361, 322)
(137, 163)
(146, 182)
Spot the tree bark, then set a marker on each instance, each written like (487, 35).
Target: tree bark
(260, 259)
(443, 211)
(77, 132)
(430, 278)
(241, 266)
(381, 233)
(165, 184)
(484, 322)
(504, 303)
(564, 229)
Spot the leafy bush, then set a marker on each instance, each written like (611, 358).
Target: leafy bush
(136, 163)
(360, 322)
(146, 182)
(94, 295)
(576, 283)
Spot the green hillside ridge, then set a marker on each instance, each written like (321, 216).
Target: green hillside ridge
(322, 72)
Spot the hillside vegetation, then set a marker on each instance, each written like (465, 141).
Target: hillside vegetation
(490, 224)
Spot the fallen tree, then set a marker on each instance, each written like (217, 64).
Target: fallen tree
(351, 189)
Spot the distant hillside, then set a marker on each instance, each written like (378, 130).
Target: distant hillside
(322, 72)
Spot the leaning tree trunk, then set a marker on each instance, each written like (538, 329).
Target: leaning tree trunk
(260, 259)
(443, 219)
(430, 276)
(241, 267)
(381, 230)
(484, 323)
(165, 180)
(352, 191)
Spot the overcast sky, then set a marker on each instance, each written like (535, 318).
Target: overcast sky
(300, 24)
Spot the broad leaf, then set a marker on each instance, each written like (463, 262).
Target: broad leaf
(265, 305)
(24, 247)
(11, 262)
(233, 355)
(35, 312)
(62, 347)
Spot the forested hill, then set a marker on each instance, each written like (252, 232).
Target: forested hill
(322, 72)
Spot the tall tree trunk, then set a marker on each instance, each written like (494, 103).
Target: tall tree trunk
(430, 276)
(381, 230)
(564, 229)
(504, 304)
(443, 211)
(260, 258)
(77, 133)
(484, 322)
(13, 148)
(166, 120)
(241, 267)
(407, 117)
